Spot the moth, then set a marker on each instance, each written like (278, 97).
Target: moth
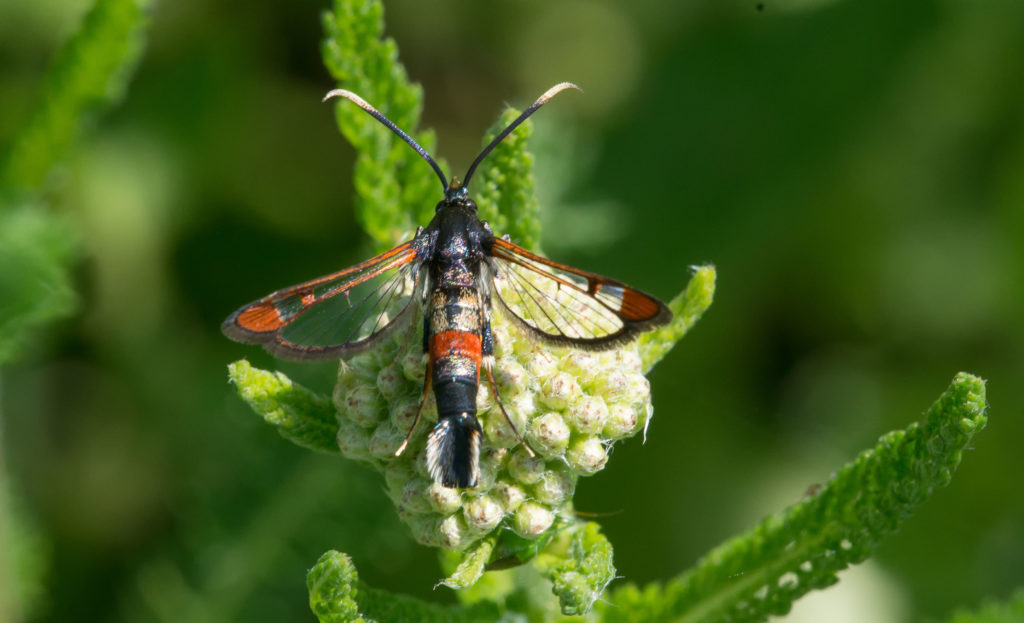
(457, 272)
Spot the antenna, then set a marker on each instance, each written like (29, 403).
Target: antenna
(543, 99)
(360, 102)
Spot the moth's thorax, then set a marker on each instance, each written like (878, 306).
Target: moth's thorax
(459, 246)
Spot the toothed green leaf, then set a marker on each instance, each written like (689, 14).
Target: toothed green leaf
(396, 190)
(300, 415)
(762, 572)
(337, 596)
(581, 579)
(471, 565)
(332, 589)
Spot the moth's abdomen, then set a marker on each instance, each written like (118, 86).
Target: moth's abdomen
(453, 451)
(456, 350)
(455, 343)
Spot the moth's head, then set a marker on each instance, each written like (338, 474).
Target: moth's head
(456, 195)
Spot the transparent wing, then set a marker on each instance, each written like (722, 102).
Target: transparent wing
(564, 305)
(335, 315)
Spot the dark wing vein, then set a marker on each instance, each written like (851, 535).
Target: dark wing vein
(564, 305)
(335, 315)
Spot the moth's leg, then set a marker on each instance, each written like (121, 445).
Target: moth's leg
(487, 349)
(419, 412)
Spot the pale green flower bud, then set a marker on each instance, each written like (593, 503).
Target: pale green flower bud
(391, 382)
(363, 365)
(628, 359)
(587, 414)
(508, 495)
(483, 514)
(424, 527)
(498, 432)
(613, 384)
(414, 495)
(531, 520)
(353, 440)
(639, 390)
(504, 338)
(524, 468)
(549, 435)
(453, 532)
(579, 363)
(521, 408)
(403, 412)
(510, 376)
(385, 441)
(348, 379)
(558, 390)
(363, 406)
(491, 462)
(555, 487)
(587, 456)
(444, 500)
(414, 366)
(541, 364)
(622, 421)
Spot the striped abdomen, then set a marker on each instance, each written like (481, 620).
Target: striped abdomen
(454, 328)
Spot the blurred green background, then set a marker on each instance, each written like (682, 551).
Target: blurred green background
(854, 169)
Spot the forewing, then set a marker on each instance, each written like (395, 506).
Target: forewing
(335, 315)
(564, 305)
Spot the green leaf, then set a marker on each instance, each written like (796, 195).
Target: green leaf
(396, 190)
(687, 308)
(472, 565)
(583, 576)
(36, 252)
(1011, 611)
(300, 415)
(802, 548)
(332, 589)
(90, 71)
(506, 197)
(337, 596)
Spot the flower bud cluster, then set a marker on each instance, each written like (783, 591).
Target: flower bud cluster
(569, 405)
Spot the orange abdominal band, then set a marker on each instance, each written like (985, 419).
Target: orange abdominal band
(462, 343)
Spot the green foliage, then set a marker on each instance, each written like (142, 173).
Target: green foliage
(36, 252)
(23, 561)
(505, 190)
(749, 578)
(91, 71)
(581, 578)
(802, 548)
(578, 563)
(336, 596)
(36, 248)
(396, 190)
(471, 565)
(687, 308)
(301, 416)
(1011, 611)
(332, 589)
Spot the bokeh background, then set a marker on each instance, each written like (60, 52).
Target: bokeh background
(854, 169)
